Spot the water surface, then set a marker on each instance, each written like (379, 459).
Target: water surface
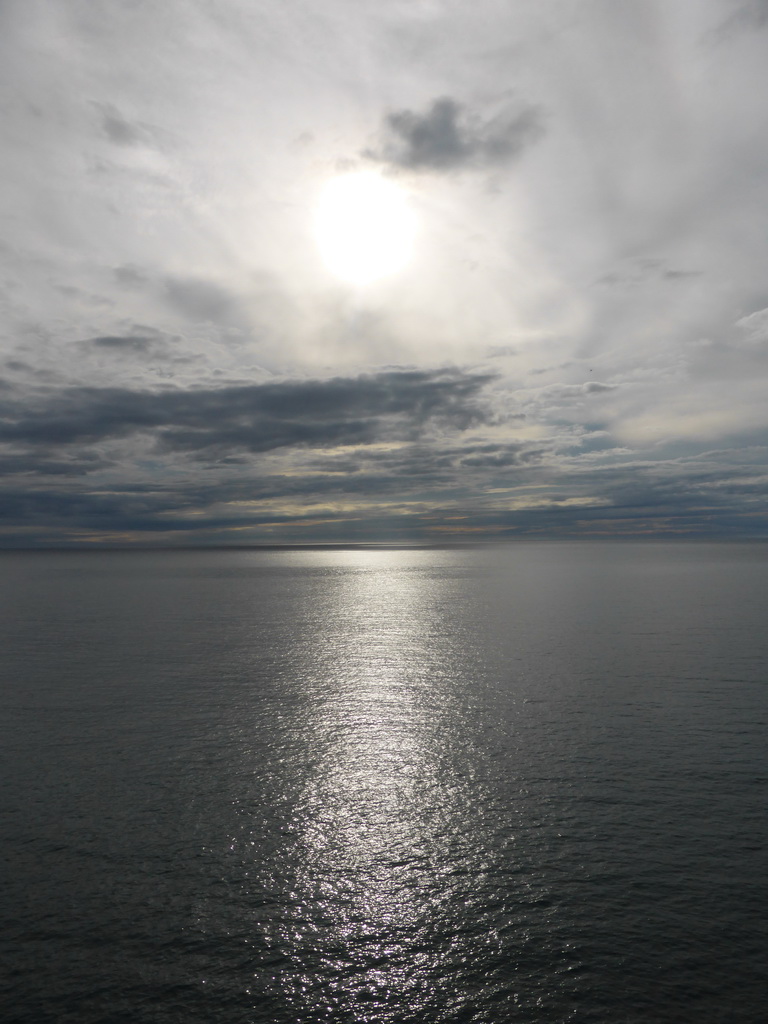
(520, 784)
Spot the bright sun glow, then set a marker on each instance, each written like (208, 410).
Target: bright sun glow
(364, 227)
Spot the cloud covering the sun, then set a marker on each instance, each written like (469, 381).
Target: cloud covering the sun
(578, 345)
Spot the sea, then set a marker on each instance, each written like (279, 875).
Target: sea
(523, 783)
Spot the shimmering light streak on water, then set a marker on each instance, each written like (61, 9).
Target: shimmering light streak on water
(375, 820)
(374, 787)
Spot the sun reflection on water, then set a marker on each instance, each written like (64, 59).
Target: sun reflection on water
(380, 810)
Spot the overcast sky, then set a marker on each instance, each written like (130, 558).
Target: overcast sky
(578, 345)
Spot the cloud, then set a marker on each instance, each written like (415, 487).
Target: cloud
(139, 346)
(128, 343)
(130, 276)
(746, 18)
(448, 138)
(439, 462)
(556, 393)
(122, 132)
(396, 404)
(680, 275)
(496, 456)
(753, 329)
(438, 485)
(164, 307)
(645, 271)
(27, 465)
(201, 301)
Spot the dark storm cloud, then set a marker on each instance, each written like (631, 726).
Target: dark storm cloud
(448, 138)
(395, 404)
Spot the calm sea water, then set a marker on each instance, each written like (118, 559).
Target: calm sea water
(522, 784)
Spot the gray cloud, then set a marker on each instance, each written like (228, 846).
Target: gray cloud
(139, 344)
(130, 276)
(32, 465)
(123, 343)
(408, 491)
(118, 130)
(441, 462)
(448, 138)
(748, 16)
(554, 394)
(201, 301)
(680, 275)
(623, 499)
(632, 273)
(394, 404)
(495, 456)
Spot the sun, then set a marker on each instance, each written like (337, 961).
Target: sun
(364, 227)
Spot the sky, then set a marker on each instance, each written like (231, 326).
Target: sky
(574, 343)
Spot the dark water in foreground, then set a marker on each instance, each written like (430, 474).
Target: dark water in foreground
(385, 786)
